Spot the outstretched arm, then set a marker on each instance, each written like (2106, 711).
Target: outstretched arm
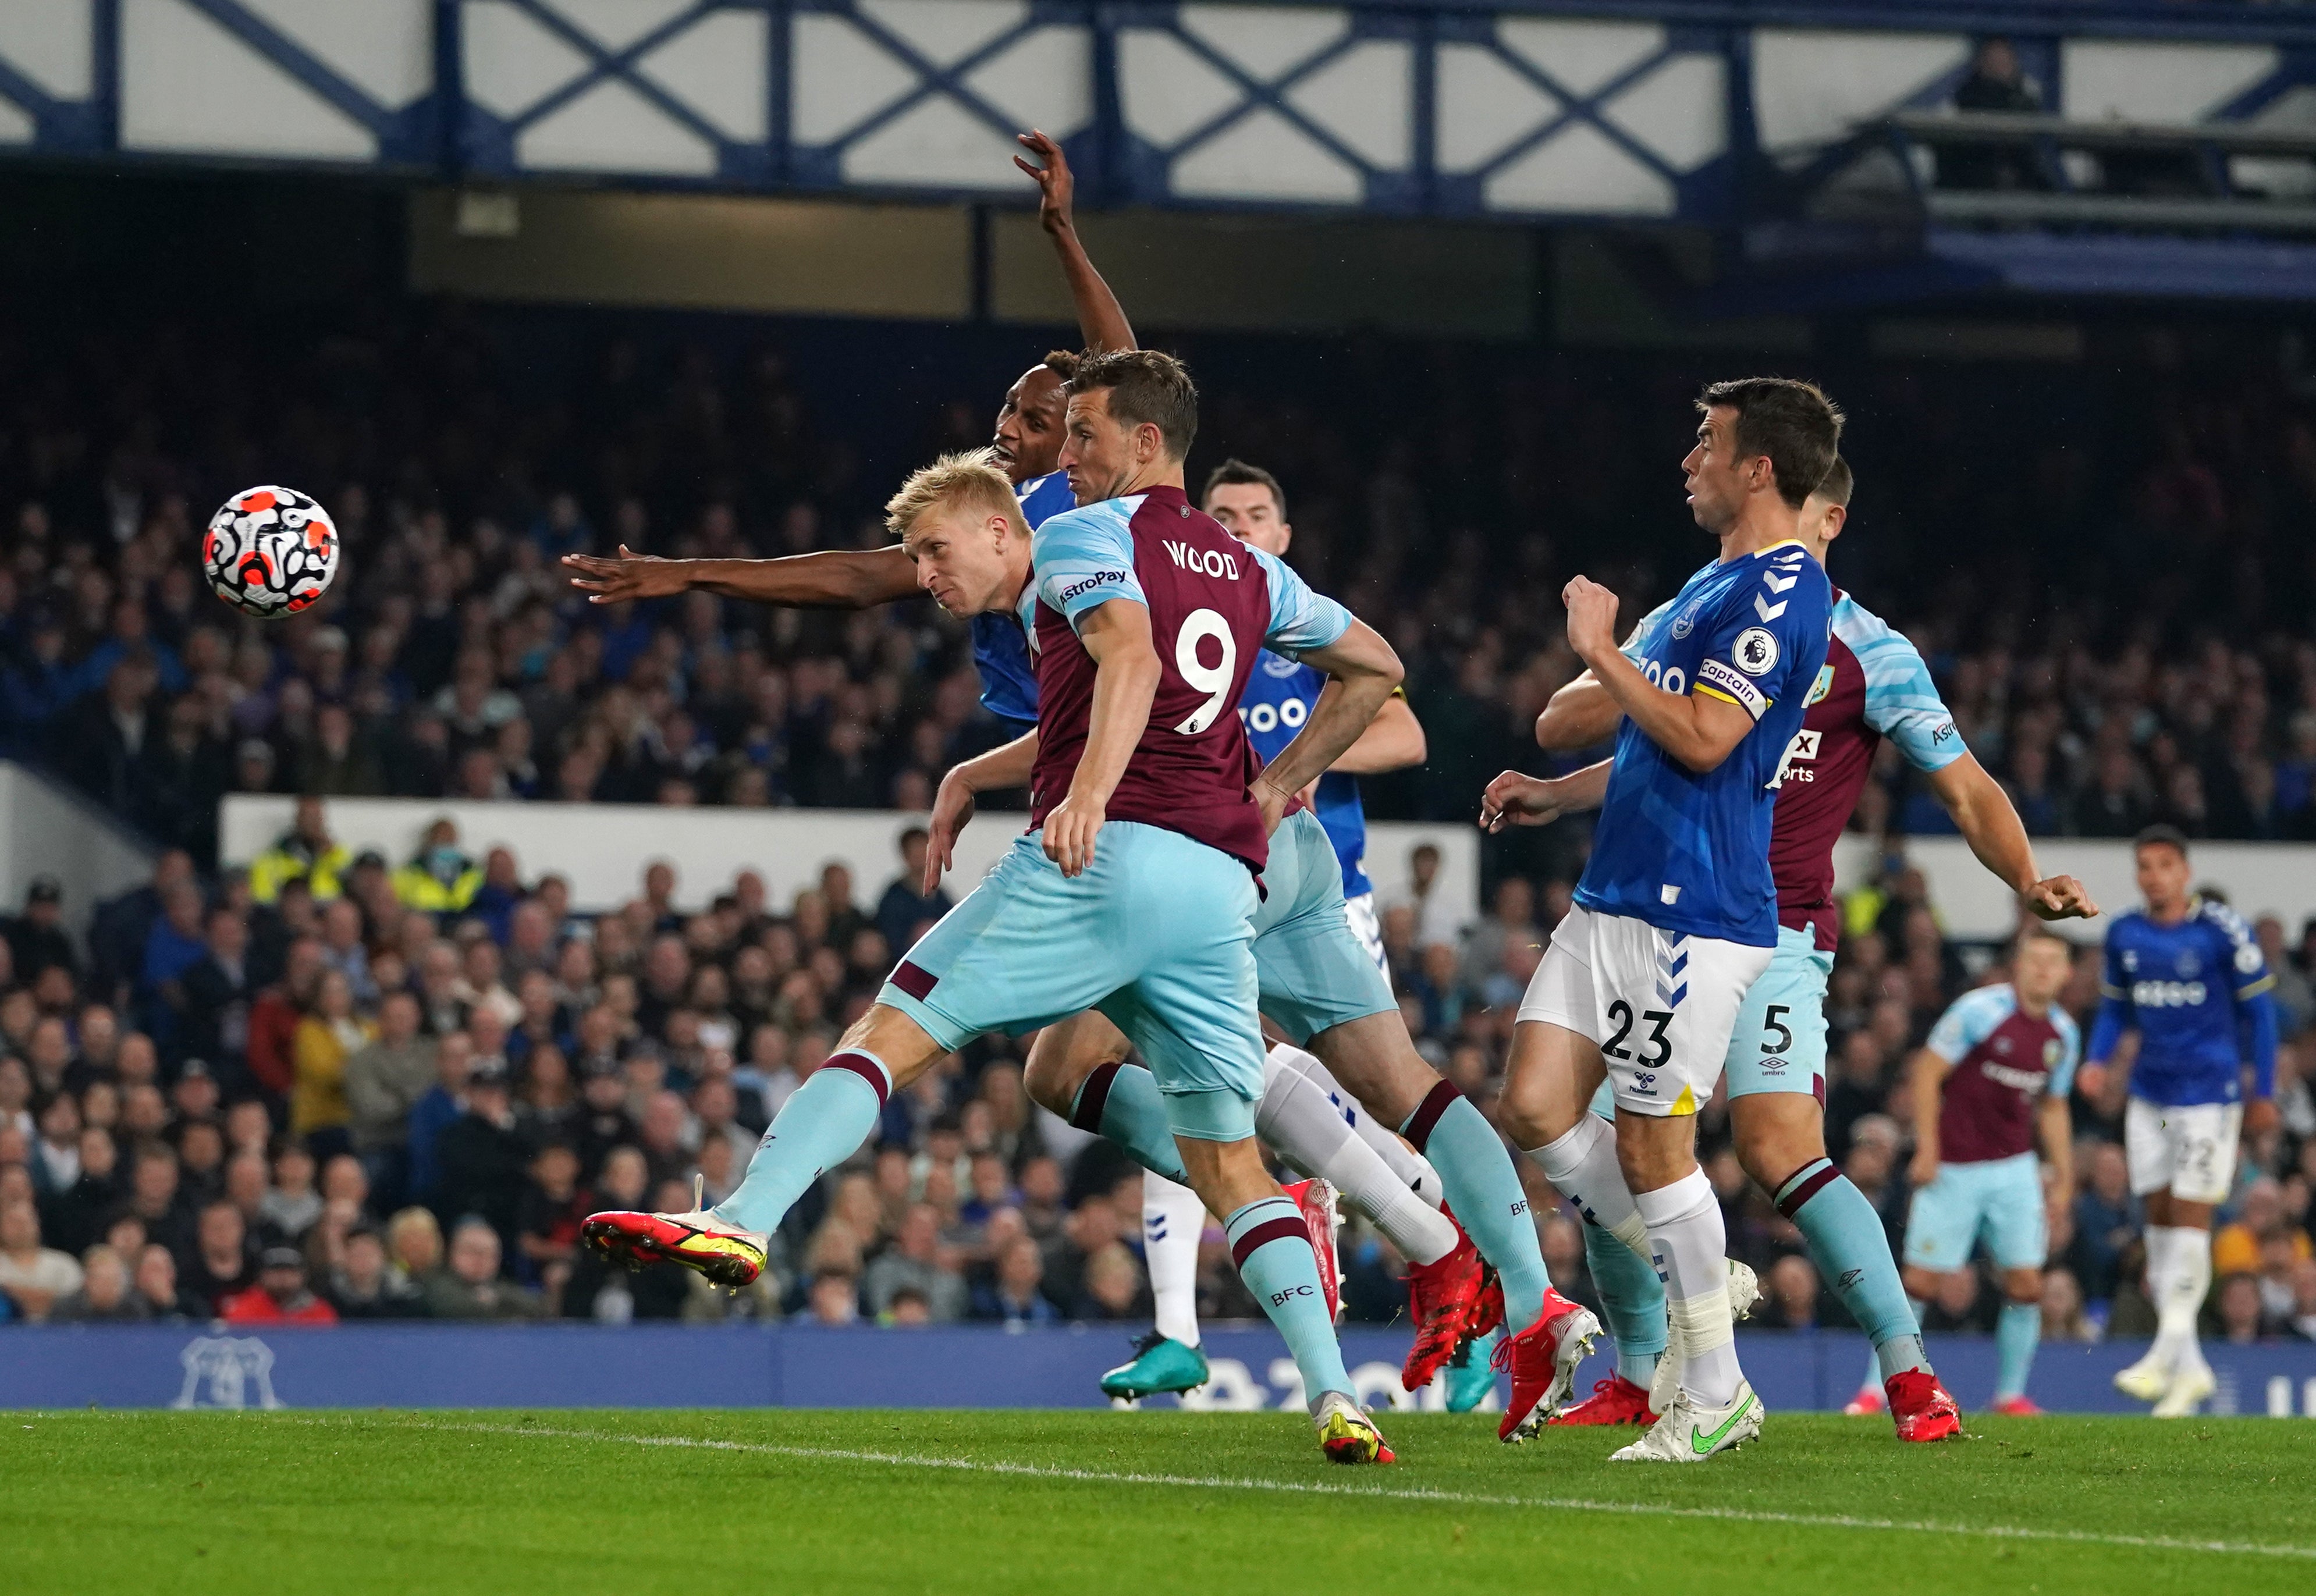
(1364, 670)
(1984, 814)
(833, 579)
(1101, 319)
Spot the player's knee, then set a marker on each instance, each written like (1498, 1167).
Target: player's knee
(1529, 1114)
(1773, 1145)
(1051, 1083)
(2023, 1286)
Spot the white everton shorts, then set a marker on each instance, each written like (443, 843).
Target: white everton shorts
(1659, 1004)
(2189, 1150)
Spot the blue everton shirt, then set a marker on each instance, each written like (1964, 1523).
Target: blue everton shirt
(1279, 698)
(2185, 988)
(1689, 853)
(1000, 653)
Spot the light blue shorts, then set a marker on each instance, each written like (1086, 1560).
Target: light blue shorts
(2001, 1200)
(1311, 968)
(1156, 935)
(1779, 1042)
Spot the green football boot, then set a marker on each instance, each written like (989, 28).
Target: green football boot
(1159, 1364)
(1471, 1373)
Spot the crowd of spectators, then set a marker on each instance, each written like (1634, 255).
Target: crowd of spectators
(412, 1072)
(1447, 493)
(318, 1089)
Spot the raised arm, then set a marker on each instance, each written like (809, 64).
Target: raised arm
(1983, 812)
(1699, 729)
(1101, 319)
(833, 579)
(1116, 635)
(1364, 670)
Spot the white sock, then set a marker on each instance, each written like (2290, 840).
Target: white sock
(1582, 1167)
(1172, 1219)
(2187, 1280)
(1691, 1248)
(1314, 1127)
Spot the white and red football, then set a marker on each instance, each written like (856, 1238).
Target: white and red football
(270, 552)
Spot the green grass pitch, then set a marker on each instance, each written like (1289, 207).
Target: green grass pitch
(510, 1503)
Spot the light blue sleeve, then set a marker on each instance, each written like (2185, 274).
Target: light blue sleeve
(1083, 558)
(1300, 619)
(2070, 1054)
(1902, 701)
(1970, 1020)
(1636, 646)
(1768, 635)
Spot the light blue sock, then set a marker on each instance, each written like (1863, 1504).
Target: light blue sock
(823, 1123)
(2017, 1333)
(1122, 1102)
(1852, 1252)
(1873, 1372)
(1633, 1300)
(1272, 1249)
(1481, 1185)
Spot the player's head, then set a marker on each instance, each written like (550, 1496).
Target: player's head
(2041, 965)
(1827, 509)
(1760, 438)
(2160, 852)
(1030, 423)
(1133, 414)
(958, 521)
(1250, 504)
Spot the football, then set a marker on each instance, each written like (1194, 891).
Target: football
(270, 552)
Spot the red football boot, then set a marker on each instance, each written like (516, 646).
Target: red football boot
(1614, 1401)
(1920, 1407)
(2021, 1406)
(1542, 1361)
(1442, 1296)
(1316, 1199)
(726, 1254)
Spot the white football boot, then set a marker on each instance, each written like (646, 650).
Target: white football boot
(2189, 1388)
(1690, 1433)
(2148, 1379)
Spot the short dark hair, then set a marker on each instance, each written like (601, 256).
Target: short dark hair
(2161, 836)
(1235, 472)
(1062, 364)
(1836, 487)
(1791, 422)
(1145, 387)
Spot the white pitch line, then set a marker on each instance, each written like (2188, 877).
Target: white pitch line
(2160, 1542)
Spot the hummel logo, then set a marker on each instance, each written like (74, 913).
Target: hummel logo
(1768, 611)
(1780, 584)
